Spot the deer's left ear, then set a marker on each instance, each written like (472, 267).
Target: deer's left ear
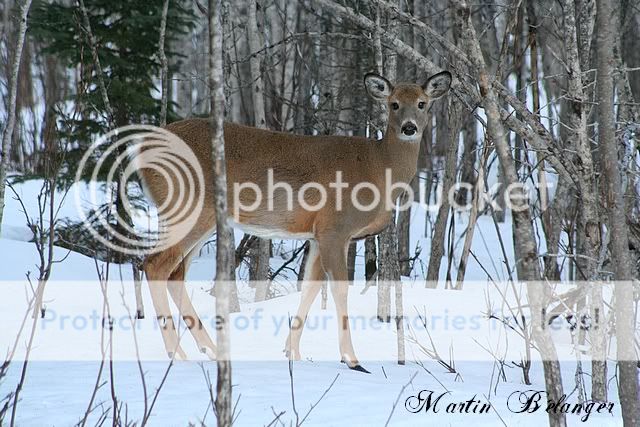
(377, 86)
(437, 85)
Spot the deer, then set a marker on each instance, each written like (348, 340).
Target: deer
(294, 160)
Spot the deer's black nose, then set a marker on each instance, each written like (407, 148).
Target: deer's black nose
(409, 129)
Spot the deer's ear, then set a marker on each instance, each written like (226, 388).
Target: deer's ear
(377, 86)
(437, 85)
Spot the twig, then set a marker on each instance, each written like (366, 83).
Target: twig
(404, 387)
(276, 419)
(319, 399)
(289, 261)
(44, 246)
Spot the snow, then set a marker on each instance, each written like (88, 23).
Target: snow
(66, 355)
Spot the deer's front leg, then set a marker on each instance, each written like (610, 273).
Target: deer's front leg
(334, 261)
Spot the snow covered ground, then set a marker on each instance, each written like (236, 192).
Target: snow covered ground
(66, 354)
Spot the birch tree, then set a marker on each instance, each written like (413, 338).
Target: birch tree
(224, 248)
(7, 135)
(388, 267)
(378, 117)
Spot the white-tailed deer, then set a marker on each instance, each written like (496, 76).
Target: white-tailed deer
(262, 158)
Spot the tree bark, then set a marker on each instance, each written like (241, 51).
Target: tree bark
(388, 271)
(404, 234)
(225, 253)
(370, 258)
(351, 261)
(624, 298)
(468, 162)
(588, 229)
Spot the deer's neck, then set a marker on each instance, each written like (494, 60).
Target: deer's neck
(401, 157)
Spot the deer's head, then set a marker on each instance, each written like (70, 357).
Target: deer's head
(407, 103)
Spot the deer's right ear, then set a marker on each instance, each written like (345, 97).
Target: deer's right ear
(377, 86)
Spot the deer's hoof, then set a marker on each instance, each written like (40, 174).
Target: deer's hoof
(292, 355)
(178, 355)
(359, 368)
(209, 352)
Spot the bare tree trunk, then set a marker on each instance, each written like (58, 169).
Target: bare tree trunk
(7, 135)
(386, 264)
(260, 251)
(468, 162)
(54, 86)
(404, 233)
(351, 261)
(257, 85)
(473, 218)
(184, 96)
(377, 124)
(163, 61)
(448, 182)
(259, 267)
(624, 305)
(427, 151)
(389, 266)
(388, 271)
(225, 253)
(628, 117)
(399, 306)
(303, 264)
(370, 258)
(524, 239)
(403, 228)
(137, 284)
(8, 6)
(588, 230)
(550, 262)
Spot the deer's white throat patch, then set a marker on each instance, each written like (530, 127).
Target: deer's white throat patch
(413, 138)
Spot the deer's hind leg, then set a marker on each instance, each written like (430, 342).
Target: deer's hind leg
(182, 300)
(159, 267)
(311, 285)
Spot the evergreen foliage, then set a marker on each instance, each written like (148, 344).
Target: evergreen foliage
(127, 36)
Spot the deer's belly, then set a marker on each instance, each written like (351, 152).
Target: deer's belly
(269, 232)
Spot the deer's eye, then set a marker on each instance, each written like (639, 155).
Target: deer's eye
(395, 105)
(421, 105)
